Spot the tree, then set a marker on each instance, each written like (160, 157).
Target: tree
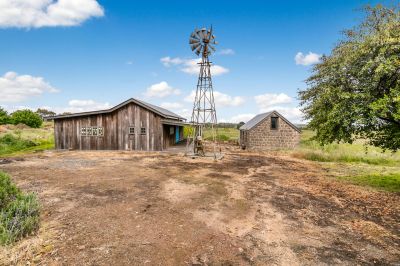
(240, 124)
(44, 112)
(4, 117)
(355, 92)
(26, 117)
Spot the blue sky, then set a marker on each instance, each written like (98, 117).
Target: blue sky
(79, 55)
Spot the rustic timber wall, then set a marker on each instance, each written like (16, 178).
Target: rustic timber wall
(67, 131)
(262, 137)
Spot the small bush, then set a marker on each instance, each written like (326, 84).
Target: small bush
(10, 143)
(19, 212)
(8, 191)
(26, 117)
(4, 117)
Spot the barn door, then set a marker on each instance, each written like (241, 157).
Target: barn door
(177, 138)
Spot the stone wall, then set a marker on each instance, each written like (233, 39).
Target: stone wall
(262, 137)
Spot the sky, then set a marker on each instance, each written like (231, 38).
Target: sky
(83, 55)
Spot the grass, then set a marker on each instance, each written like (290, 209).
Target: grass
(388, 182)
(357, 152)
(356, 163)
(19, 212)
(16, 140)
(223, 134)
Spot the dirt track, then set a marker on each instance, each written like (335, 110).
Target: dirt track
(120, 208)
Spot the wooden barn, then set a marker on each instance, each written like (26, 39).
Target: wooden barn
(269, 131)
(131, 125)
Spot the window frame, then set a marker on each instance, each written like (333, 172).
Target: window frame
(131, 130)
(83, 131)
(92, 131)
(100, 131)
(276, 119)
(143, 131)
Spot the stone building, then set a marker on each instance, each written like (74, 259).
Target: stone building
(269, 131)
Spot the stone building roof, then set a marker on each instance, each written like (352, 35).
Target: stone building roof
(260, 117)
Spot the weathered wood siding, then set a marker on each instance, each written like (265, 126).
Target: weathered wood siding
(67, 131)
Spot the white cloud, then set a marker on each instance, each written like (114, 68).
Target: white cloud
(168, 61)
(306, 60)
(239, 118)
(270, 99)
(47, 13)
(76, 106)
(226, 52)
(185, 113)
(161, 90)
(13, 108)
(221, 99)
(293, 114)
(191, 66)
(17, 88)
(168, 105)
(129, 62)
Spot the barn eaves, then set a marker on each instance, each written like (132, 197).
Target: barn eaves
(156, 109)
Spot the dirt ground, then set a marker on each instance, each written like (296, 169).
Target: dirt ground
(137, 208)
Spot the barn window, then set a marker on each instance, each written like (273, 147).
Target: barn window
(274, 122)
(83, 131)
(143, 131)
(89, 131)
(100, 131)
(131, 130)
(94, 131)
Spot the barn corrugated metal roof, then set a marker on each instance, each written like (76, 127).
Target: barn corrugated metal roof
(254, 121)
(160, 109)
(156, 109)
(260, 117)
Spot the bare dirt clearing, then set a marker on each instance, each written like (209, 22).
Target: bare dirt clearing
(119, 208)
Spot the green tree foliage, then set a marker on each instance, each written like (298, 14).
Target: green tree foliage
(4, 117)
(355, 92)
(26, 117)
(44, 112)
(240, 124)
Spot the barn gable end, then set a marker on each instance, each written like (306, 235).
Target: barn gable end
(258, 134)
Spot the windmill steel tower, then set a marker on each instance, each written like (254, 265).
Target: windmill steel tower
(204, 116)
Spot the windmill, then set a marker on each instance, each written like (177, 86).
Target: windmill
(204, 117)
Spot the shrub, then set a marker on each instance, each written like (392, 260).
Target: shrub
(10, 142)
(26, 117)
(19, 212)
(4, 117)
(8, 191)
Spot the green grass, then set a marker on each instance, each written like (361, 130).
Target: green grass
(342, 152)
(19, 212)
(355, 163)
(388, 182)
(17, 140)
(224, 134)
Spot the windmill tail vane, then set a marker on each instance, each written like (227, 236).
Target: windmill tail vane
(202, 136)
